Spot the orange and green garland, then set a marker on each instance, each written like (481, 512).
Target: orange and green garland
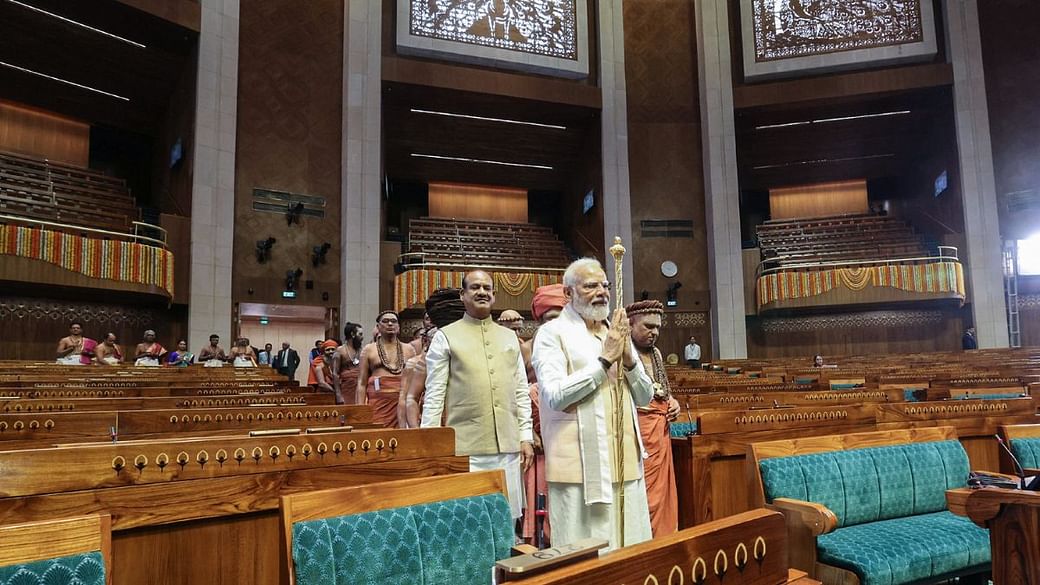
(937, 277)
(93, 257)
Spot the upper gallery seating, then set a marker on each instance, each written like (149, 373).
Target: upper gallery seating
(844, 238)
(47, 190)
(485, 243)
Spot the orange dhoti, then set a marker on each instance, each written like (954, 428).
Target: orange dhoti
(534, 478)
(383, 394)
(658, 471)
(348, 386)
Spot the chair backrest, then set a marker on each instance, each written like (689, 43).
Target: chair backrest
(445, 530)
(1024, 441)
(865, 477)
(57, 552)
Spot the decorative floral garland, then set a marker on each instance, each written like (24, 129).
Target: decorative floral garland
(93, 257)
(923, 278)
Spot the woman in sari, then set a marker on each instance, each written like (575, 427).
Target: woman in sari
(181, 358)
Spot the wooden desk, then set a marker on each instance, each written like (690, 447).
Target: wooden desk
(1013, 520)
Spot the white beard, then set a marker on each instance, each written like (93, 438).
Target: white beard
(591, 312)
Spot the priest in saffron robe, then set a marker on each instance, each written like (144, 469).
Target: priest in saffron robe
(661, 494)
(379, 373)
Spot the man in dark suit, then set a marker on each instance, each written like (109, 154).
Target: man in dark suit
(287, 361)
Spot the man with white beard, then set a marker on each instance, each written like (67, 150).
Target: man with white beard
(576, 358)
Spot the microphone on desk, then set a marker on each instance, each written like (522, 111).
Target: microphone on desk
(1019, 470)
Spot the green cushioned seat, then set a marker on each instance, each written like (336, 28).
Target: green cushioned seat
(890, 503)
(907, 550)
(845, 386)
(79, 569)
(1027, 451)
(804, 380)
(997, 396)
(448, 542)
(682, 429)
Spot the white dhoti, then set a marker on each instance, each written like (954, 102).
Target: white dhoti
(73, 359)
(243, 362)
(111, 360)
(147, 361)
(572, 519)
(510, 463)
(214, 363)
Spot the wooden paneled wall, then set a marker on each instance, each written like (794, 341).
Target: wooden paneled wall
(478, 202)
(33, 132)
(41, 322)
(664, 146)
(861, 333)
(290, 114)
(819, 200)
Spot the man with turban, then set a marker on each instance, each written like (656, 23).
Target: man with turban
(511, 320)
(475, 378)
(379, 373)
(661, 494)
(443, 307)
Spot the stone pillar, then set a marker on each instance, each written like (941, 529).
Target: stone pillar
(213, 177)
(362, 165)
(721, 191)
(978, 186)
(617, 210)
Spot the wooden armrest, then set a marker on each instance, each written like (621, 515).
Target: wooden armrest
(817, 518)
(538, 561)
(1031, 471)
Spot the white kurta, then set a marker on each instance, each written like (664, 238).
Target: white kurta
(572, 383)
(438, 362)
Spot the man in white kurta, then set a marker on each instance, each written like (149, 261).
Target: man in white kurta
(476, 381)
(591, 456)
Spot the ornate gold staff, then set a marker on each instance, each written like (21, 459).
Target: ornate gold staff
(618, 252)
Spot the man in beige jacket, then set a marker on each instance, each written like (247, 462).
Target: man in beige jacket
(476, 380)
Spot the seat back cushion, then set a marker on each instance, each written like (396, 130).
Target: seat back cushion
(459, 541)
(1027, 451)
(83, 568)
(875, 483)
(444, 543)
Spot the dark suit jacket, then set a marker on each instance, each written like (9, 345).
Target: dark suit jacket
(286, 362)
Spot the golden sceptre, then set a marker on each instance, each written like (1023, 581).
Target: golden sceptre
(618, 252)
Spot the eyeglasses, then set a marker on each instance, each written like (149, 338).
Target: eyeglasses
(591, 286)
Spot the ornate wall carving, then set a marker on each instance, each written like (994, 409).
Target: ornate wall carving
(785, 28)
(103, 315)
(531, 35)
(867, 320)
(791, 37)
(539, 28)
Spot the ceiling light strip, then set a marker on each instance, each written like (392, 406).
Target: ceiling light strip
(487, 119)
(837, 119)
(482, 161)
(821, 161)
(79, 24)
(65, 81)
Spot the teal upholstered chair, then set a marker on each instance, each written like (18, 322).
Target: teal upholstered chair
(871, 507)
(1024, 441)
(75, 551)
(446, 530)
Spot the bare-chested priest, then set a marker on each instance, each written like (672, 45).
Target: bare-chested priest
(149, 352)
(108, 351)
(70, 348)
(379, 373)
